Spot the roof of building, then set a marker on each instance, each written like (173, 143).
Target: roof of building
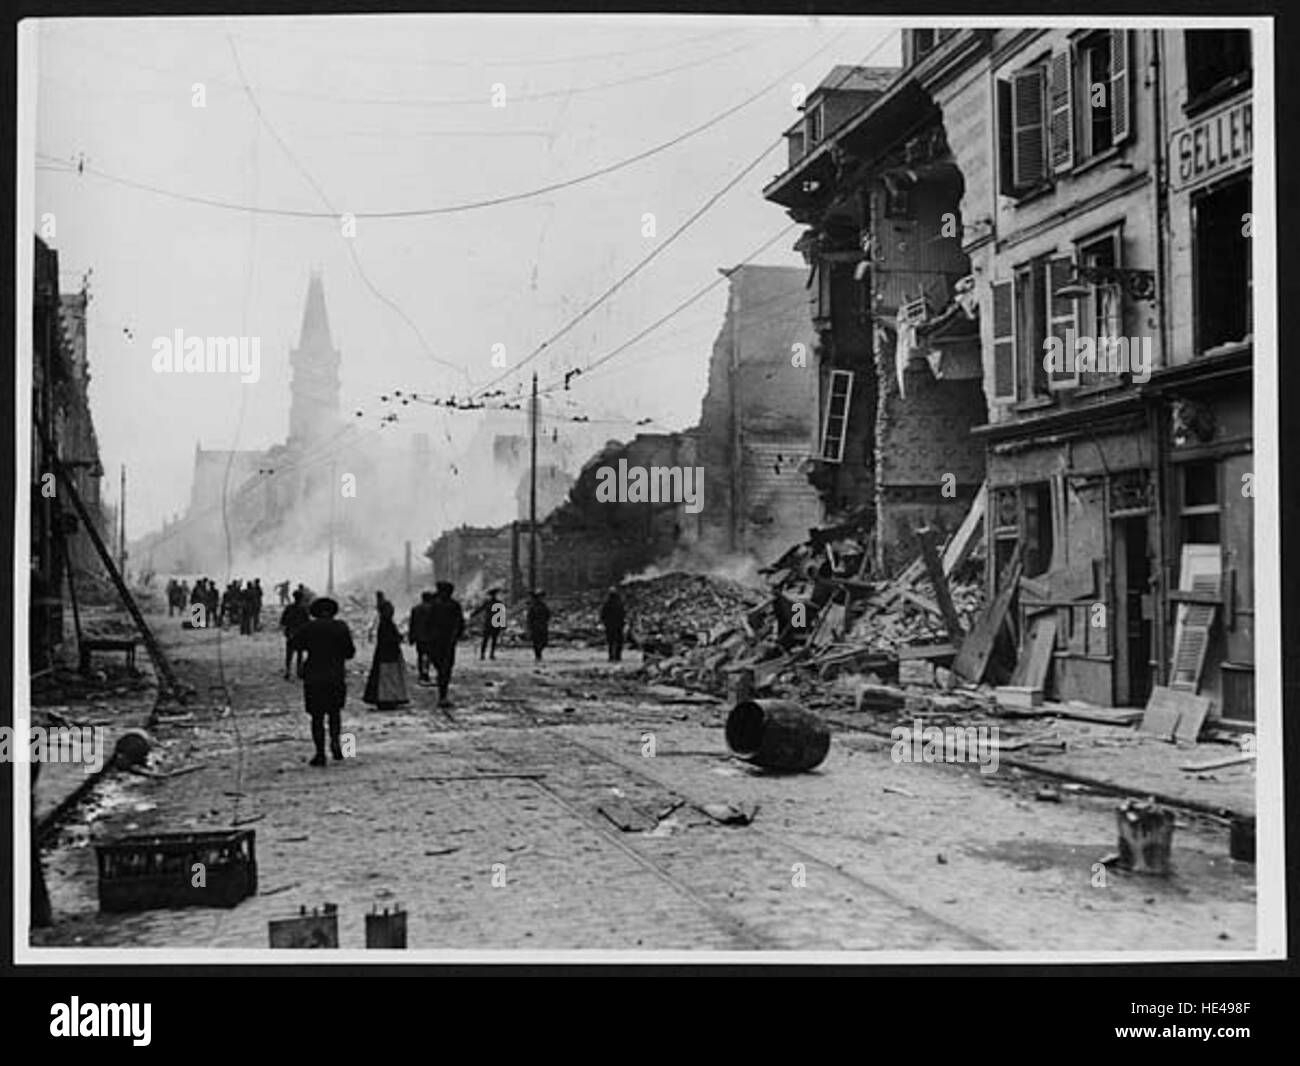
(845, 78)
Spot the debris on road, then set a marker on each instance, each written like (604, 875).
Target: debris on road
(731, 813)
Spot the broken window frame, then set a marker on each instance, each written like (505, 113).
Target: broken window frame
(1218, 295)
(1191, 515)
(1202, 92)
(845, 376)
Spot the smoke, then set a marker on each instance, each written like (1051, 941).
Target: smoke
(698, 559)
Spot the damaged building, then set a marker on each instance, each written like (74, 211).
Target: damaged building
(1116, 466)
(758, 421)
(897, 358)
(63, 429)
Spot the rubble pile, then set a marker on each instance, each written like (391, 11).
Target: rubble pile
(841, 620)
(667, 613)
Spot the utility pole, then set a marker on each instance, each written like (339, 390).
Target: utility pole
(532, 494)
(121, 526)
(333, 491)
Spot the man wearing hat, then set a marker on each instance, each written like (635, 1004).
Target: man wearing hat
(446, 622)
(539, 622)
(328, 644)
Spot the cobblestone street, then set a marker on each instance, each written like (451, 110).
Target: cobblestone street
(484, 823)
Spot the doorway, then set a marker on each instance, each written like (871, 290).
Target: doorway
(1134, 611)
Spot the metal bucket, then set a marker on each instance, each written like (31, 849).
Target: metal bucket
(777, 735)
(1146, 836)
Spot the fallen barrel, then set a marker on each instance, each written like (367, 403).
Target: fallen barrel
(777, 735)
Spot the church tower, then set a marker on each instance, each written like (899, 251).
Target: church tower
(314, 385)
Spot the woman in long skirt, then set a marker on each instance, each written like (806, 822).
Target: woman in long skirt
(386, 686)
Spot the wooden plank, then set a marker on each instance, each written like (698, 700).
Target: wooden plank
(1074, 583)
(973, 659)
(926, 651)
(930, 556)
(625, 816)
(1034, 589)
(959, 547)
(1196, 709)
(1218, 764)
(921, 601)
(1162, 713)
(1019, 696)
(1037, 656)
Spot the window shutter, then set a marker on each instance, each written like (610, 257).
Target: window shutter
(1006, 179)
(1060, 318)
(1004, 343)
(1120, 124)
(1027, 124)
(1062, 102)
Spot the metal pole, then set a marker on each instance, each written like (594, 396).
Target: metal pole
(121, 525)
(532, 495)
(333, 491)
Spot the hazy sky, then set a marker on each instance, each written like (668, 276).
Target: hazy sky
(395, 114)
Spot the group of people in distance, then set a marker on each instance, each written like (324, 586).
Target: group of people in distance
(240, 604)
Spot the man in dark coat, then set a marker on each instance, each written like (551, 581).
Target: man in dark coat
(292, 618)
(539, 622)
(613, 617)
(494, 623)
(417, 632)
(255, 593)
(446, 626)
(328, 644)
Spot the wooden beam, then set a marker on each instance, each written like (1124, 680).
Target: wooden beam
(930, 556)
(959, 547)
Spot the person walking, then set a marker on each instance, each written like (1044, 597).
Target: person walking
(446, 627)
(292, 618)
(494, 624)
(173, 591)
(386, 685)
(613, 616)
(328, 645)
(256, 593)
(417, 632)
(282, 590)
(244, 607)
(539, 621)
(212, 602)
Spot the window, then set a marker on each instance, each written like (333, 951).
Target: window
(1031, 328)
(813, 125)
(1063, 110)
(1026, 312)
(1198, 512)
(1036, 505)
(922, 42)
(1218, 63)
(1101, 62)
(1101, 313)
(835, 426)
(1224, 291)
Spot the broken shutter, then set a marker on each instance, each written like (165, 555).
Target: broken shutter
(1061, 94)
(835, 428)
(1027, 164)
(1201, 571)
(1120, 126)
(1060, 318)
(1004, 343)
(1006, 179)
